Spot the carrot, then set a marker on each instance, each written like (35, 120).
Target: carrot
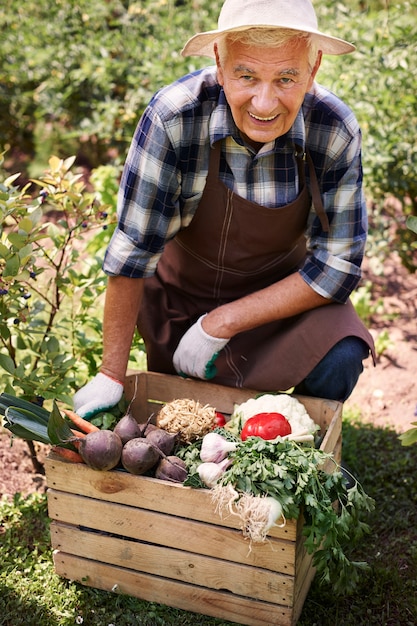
(68, 455)
(81, 423)
(78, 435)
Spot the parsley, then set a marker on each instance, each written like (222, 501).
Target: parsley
(292, 474)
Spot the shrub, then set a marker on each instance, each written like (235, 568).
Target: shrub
(51, 283)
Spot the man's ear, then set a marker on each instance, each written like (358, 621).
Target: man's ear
(219, 67)
(315, 68)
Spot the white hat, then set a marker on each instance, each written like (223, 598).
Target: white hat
(239, 15)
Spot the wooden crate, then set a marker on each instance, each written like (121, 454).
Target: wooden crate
(164, 543)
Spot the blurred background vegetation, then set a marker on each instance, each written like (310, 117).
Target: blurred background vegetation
(75, 76)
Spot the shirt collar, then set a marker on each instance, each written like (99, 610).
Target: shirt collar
(222, 125)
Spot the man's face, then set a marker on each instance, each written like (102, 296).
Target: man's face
(265, 87)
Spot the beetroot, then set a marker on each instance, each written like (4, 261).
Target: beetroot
(139, 456)
(171, 468)
(127, 428)
(101, 450)
(162, 439)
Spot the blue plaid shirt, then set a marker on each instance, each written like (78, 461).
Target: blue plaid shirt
(167, 165)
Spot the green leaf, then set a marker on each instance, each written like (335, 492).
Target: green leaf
(11, 267)
(6, 362)
(409, 436)
(59, 431)
(8, 400)
(24, 424)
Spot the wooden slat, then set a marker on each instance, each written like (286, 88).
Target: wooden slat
(151, 493)
(176, 594)
(174, 532)
(204, 571)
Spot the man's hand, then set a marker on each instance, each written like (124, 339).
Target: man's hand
(197, 351)
(100, 394)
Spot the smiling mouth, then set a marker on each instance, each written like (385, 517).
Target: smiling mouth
(262, 119)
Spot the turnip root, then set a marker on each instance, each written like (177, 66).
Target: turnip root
(162, 439)
(171, 468)
(101, 450)
(139, 456)
(127, 428)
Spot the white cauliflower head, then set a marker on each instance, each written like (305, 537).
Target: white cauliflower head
(290, 407)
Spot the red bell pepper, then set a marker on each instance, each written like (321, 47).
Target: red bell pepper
(266, 426)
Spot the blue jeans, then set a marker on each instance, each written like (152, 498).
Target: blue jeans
(337, 373)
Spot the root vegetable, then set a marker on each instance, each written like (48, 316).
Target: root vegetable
(80, 422)
(215, 448)
(127, 428)
(101, 449)
(171, 468)
(162, 439)
(68, 455)
(187, 417)
(145, 428)
(139, 456)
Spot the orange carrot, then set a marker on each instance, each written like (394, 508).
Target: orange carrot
(68, 455)
(78, 433)
(77, 436)
(81, 423)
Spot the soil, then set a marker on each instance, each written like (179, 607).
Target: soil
(385, 396)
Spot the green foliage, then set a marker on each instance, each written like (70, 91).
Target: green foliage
(380, 84)
(75, 76)
(51, 249)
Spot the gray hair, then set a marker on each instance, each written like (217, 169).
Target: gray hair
(267, 38)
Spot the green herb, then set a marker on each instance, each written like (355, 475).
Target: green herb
(291, 473)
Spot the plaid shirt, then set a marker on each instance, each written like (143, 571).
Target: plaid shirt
(167, 165)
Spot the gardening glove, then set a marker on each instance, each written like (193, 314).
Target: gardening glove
(100, 394)
(197, 351)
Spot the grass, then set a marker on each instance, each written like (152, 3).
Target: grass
(32, 595)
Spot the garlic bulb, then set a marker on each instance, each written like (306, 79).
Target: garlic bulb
(215, 448)
(211, 472)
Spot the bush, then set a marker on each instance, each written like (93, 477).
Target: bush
(51, 283)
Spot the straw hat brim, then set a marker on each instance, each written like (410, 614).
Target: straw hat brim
(202, 44)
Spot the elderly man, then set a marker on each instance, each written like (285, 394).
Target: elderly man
(241, 219)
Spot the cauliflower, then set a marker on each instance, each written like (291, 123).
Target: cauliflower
(290, 407)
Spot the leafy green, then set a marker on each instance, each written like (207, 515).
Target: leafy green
(25, 425)
(409, 436)
(7, 400)
(292, 473)
(33, 423)
(59, 431)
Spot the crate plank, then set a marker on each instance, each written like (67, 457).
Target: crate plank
(172, 531)
(153, 494)
(180, 595)
(204, 571)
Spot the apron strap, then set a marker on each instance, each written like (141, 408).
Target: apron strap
(316, 195)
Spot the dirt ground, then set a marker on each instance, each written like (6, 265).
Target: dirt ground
(386, 395)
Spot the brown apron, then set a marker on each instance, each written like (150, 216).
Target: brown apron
(231, 248)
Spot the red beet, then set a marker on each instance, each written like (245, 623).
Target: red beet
(127, 428)
(139, 456)
(101, 450)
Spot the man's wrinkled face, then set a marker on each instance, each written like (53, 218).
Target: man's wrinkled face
(265, 87)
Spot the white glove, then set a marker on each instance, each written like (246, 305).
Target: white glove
(197, 351)
(101, 393)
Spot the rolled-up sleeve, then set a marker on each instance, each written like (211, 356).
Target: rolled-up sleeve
(332, 266)
(150, 180)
